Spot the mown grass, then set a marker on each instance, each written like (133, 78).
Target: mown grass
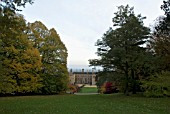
(88, 90)
(84, 104)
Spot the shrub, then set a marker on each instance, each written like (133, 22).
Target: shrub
(108, 88)
(72, 88)
(157, 86)
(102, 89)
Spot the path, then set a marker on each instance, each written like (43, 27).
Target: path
(86, 93)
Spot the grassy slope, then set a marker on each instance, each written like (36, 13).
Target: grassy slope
(87, 104)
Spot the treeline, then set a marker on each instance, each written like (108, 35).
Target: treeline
(134, 58)
(33, 59)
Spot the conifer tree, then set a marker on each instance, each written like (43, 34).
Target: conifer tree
(120, 48)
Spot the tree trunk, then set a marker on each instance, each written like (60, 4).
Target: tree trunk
(126, 92)
(133, 82)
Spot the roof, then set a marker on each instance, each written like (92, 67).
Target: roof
(84, 72)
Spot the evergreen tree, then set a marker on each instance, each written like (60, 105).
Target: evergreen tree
(120, 48)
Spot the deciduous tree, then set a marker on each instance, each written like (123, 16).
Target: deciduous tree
(54, 57)
(20, 60)
(161, 37)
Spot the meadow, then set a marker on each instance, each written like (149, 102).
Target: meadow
(84, 104)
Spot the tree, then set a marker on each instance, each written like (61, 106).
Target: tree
(161, 37)
(54, 57)
(120, 48)
(13, 4)
(166, 7)
(20, 60)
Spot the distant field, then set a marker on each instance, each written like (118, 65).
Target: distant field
(88, 90)
(84, 104)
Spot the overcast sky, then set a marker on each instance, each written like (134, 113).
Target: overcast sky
(81, 22)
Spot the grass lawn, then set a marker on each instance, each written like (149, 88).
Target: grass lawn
(84, 104)
(88, 90)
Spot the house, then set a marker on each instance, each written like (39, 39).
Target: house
(82, 77)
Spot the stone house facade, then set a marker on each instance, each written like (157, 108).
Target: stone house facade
(88, 77)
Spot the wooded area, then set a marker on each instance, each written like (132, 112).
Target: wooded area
(134, 58)
(33, 58)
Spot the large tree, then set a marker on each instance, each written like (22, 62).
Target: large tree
(54, 57)
(21, 62)
(161, 37)
(120, 48)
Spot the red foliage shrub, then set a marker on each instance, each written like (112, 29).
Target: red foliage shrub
(72, 88)
(108, 88)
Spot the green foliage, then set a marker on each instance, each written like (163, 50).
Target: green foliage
(14, 4)
(54, 63)
(161, 37)
(120, 48)
(106, 76)
(54, 57)
(33, 58)
(21, 62)
(158, 85)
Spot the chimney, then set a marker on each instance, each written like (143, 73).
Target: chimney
(71, 70)
(93, 70)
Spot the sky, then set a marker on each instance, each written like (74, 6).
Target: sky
(80, 23)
